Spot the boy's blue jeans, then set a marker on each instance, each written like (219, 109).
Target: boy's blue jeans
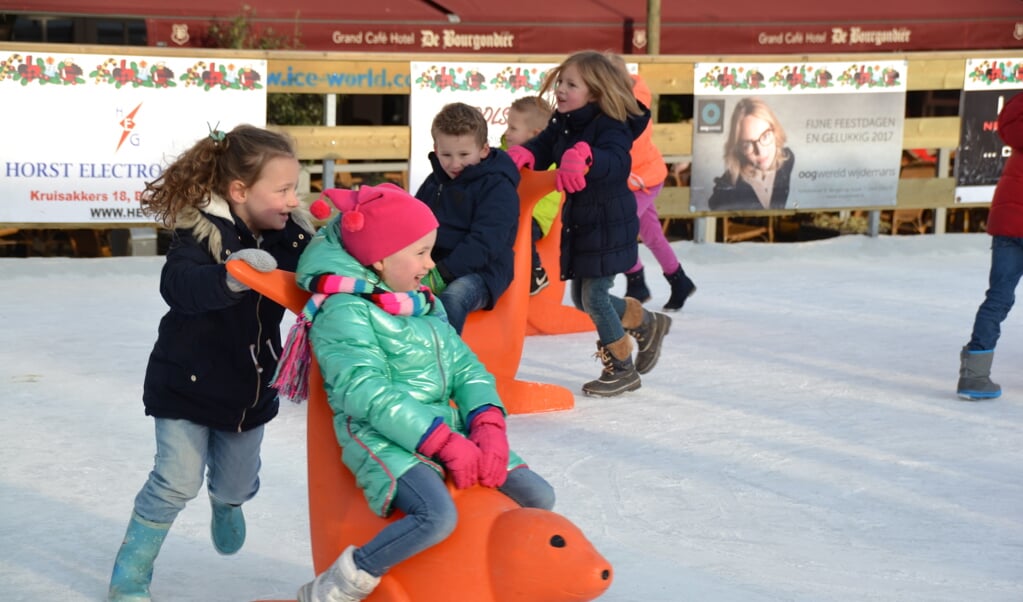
(184, 450)
(1006, 269)
(430, 515)
(463, 295)
(592, 295)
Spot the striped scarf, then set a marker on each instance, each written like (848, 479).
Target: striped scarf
(291, 379)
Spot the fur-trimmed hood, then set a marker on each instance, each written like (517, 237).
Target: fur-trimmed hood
(206, 232)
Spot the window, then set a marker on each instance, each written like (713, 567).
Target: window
(73, 30)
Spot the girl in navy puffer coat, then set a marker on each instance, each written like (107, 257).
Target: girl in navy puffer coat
(589, 137)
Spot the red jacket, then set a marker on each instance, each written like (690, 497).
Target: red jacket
(1006, 215)
(648, 168)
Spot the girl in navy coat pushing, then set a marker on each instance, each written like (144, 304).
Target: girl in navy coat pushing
(589, 137)
(231, 197)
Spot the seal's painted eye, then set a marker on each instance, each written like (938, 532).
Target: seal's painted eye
(558, 541)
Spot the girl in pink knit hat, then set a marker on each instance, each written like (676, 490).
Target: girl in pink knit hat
(412, 404)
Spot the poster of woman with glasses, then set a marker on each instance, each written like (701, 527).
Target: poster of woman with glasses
(758, 165)
(773, 136)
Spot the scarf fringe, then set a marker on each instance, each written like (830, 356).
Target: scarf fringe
(292, 377)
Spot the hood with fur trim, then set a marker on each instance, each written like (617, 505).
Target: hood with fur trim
(206, 232)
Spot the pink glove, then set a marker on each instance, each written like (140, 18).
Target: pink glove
(571, 176)
(488, 432)
(459, 456)
(521, 156)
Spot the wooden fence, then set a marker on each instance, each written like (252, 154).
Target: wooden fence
(309, 73)
(665, 75)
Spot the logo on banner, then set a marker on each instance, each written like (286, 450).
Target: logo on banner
(1018, 32)
(127, 125)
(710, 116)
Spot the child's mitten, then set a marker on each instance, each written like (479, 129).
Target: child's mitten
(259, 259)
(571, 176)
(521, 156)
(460, 456)
(489, 433)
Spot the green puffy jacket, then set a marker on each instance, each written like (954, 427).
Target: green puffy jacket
(388, 377)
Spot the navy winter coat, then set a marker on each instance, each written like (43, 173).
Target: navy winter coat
(479, 216)
(599, 223)
(217, 350)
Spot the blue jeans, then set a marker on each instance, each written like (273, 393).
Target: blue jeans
(184, 450)
(1006, 269)
(593, 297)
(463, 295)
(430, 515)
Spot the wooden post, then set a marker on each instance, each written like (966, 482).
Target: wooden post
(653, 42)
(653, 26)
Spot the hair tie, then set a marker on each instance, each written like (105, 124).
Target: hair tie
(216, 135)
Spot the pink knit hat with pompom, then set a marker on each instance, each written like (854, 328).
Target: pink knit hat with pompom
(376, 221)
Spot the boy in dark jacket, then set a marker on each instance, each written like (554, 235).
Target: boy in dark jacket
(472, 192)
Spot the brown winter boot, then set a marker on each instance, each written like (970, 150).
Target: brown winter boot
(619, 374)
(648, 328)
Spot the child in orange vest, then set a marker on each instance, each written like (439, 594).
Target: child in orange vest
(646, 181)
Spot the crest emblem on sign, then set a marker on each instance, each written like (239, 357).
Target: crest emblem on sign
(1018, 32)
(639, 38)
(179, 34)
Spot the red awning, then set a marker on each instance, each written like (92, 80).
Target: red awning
(753, 26)
(546, 27)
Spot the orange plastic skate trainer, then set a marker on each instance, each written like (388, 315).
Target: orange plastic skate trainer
(547, 314)
(497, 335)
(499, 552)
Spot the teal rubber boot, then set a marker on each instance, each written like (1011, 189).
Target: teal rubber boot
(975, 375)
(227, 527)
(133, 567)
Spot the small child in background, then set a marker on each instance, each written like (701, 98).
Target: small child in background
(646, 180)
(412, 403)
(596, 120)
(231, 197)
(527, 117)
(473, 192)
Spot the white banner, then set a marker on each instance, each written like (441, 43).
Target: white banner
(491, 87)
(838, 125)
(84, 133)
(989, 84)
